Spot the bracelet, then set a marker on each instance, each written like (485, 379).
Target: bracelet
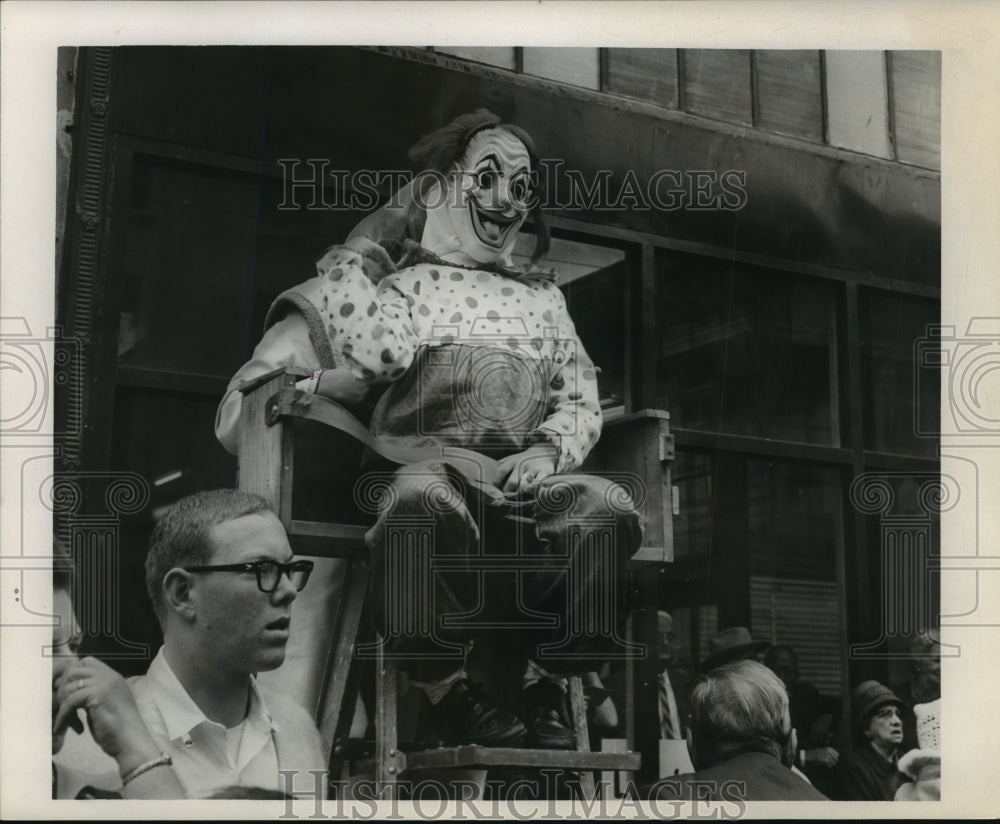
(162, 760)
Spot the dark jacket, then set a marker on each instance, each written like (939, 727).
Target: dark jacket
(752, 776)
(864, 775)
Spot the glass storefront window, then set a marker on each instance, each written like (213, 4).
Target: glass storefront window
(198, 306)
(691, 474)
(902, 393)
(746, 351)
(773, 553)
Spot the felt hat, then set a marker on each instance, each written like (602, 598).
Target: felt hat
(866, 698)
(732, 644)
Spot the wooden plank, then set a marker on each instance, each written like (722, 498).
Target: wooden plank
(857, 100)
(388, 761)
(632, 450)
(575, 66)
(578, 709)
(474, 756)
(644, 74)
(252, 384)
(500, 56)
(916, 100)
(321, 529)
(263, 448)
(341, 679)
(717, 84)
(789, 92)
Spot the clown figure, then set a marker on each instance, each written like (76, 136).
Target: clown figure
(423, 302)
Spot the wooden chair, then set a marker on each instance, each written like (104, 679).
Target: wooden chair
(289, 440)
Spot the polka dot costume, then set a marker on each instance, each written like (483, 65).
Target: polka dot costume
(380, 329)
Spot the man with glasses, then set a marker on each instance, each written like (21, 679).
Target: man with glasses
(222, 580)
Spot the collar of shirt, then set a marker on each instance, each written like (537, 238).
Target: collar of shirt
(181, 715)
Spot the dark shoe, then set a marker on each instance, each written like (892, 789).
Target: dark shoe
(547, 711)
(465, 716)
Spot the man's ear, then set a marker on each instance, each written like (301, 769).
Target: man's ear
(791, 748)
(177, 590)
(692, 750)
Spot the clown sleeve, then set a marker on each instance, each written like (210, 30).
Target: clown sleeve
(369, 325)
(573, 424)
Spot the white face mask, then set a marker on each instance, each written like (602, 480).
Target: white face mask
(487, 201)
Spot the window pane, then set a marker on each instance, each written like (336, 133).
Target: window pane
(717, 83)
(494, 56)
(645, 74)
(857, 108)
(794, 518)
(691, 473)
(170, 441)
(916, 99)
(789, 96)
(578, 67)
(745, 351)
(791, 517)
(205, 251)
(902, 394)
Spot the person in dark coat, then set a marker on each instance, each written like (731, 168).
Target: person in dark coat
(869, 773)
(812, 717)
(743, 744)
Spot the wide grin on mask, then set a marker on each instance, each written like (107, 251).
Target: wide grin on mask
(493, 226)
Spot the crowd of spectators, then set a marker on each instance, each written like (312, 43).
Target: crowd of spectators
(222, 580)
(756, 722)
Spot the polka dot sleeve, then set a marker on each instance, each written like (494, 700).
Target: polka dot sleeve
(371, 326)
(574, 421)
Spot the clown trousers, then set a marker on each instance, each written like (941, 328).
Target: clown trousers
(452, 558)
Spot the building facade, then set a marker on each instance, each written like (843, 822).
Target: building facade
(748, 239)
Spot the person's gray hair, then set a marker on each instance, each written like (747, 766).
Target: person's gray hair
(923, 646)
(181, 536)
(739, 707)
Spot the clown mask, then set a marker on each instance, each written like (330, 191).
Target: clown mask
(487, 201)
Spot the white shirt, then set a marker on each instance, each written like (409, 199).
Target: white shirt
(199, 747)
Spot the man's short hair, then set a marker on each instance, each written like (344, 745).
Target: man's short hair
(180, 537)
(739, 707)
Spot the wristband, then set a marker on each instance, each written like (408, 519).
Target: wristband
(162, 760)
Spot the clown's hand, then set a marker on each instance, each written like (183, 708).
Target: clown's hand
(520, 474)
(377, 263)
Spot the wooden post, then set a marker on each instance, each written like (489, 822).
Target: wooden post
(265, 452)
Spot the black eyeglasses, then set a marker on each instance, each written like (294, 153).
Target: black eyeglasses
(268, 572)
